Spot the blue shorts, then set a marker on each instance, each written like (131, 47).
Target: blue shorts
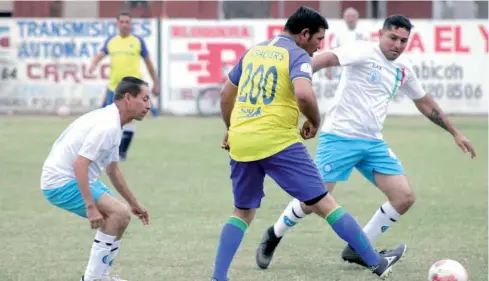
(68, 196)
(109, 98)
(292, 169)
(336, 156)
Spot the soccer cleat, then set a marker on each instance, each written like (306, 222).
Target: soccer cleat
(349, 255)
(267, 247)
(110, 277)
(388, 259)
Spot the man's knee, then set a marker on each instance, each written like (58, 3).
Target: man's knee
(398, 191)
(245, 214)
(115, 210)
(122, 216)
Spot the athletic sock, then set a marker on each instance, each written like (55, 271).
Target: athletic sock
(290, 217)
(113, 253)
(231, 236)
(128, 133)
(384, 218)
(349, 230)
(98, 262)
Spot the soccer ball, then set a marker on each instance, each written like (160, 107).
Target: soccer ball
(447, 270)
(63, 111)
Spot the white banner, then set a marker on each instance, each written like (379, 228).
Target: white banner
(196, 59)
(44, 62)
(451, 60)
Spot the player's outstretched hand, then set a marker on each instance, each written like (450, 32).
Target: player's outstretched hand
(225, 144)
(465, 145)
(141, 212)
(308, 131)
(94, 217)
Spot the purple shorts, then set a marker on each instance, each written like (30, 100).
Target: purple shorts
(292, 169)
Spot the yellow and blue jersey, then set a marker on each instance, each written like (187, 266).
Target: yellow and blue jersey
(265, 115)
(125, 53)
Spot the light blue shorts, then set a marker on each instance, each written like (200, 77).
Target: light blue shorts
(336, 156)
(68, 196)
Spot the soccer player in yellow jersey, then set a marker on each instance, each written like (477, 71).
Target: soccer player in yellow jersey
(125, 50)
(260, 104)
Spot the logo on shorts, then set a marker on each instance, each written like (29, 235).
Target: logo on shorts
(327, 168)
(288, 222)
(384, 228)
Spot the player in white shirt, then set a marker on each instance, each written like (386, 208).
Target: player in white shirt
(70, 174)
(351, 134)
(347, 35)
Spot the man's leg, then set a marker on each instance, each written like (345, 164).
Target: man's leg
(381, 167)
(117, 218)
(127, 135)
(108, 98)
(247, 179)
(295, 172)
(335, 158)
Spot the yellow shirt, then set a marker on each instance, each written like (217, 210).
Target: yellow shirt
(265, 115)
(125, 57)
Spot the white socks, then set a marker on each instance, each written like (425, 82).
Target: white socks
(291, 215)
(113, 253)
(385, 216)
(99, 256)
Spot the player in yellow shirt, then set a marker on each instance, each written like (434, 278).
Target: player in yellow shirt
(261, 104)
(125, 50)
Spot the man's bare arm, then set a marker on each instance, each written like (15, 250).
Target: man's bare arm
(151, 70)
(228, 97)
(326, 59)
(306, 100)
(117, 179)
(81, 173)
(429, 108)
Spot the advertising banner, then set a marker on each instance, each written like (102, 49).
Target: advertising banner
(44, 63)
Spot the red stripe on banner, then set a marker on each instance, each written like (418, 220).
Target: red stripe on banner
(194, 67)
(194, 46)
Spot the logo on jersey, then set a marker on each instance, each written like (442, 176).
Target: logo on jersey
(374, 77)
(249, 113)
(306, 68)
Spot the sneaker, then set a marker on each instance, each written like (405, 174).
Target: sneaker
(388, 259)
(267, 247)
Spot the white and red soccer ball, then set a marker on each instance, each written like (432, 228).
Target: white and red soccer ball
(447, 270)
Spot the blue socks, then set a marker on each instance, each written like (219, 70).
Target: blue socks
(125, 142)
(231, 236)
(349, 230)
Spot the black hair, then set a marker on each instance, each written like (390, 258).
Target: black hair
(123, 13)
(129, 84)
(305, 18)
(397, 21)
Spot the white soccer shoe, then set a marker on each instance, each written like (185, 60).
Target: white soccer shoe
(110, 277)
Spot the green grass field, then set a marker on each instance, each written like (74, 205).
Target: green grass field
(178, 171)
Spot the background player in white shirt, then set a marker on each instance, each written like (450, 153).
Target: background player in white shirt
(70, 173)
(351, 134)
(347, 35)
